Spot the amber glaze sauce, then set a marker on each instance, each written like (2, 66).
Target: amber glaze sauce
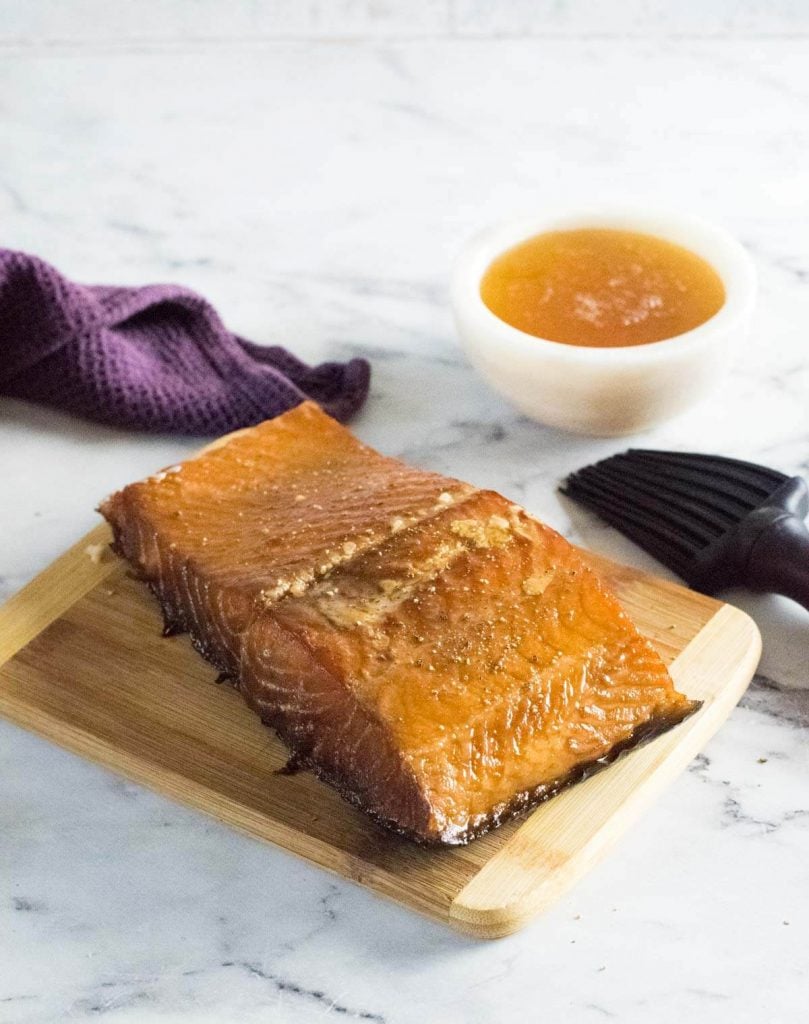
(602, 287)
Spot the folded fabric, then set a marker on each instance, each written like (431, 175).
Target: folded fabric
(156, 358)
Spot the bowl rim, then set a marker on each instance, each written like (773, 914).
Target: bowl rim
(713, 243)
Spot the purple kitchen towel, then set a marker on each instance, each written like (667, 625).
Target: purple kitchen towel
(155, 358)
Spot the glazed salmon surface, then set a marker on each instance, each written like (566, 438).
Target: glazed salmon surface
(431, 650)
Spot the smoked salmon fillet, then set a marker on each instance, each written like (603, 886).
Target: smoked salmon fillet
(440, 657)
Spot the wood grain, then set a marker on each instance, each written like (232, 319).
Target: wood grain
(84, 664)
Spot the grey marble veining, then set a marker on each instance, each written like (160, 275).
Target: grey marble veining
(152, 22)
(316, 192)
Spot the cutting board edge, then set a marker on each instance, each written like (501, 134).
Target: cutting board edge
(217, 806)
(42, 600)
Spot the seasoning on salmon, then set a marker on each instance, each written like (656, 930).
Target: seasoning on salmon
(440, 657)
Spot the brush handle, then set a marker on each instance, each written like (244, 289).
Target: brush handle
(779, 558)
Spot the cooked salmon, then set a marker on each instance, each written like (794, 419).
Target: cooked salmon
(440, 657)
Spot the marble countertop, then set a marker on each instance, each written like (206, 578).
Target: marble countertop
(316, 189)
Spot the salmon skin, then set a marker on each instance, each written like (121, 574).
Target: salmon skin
(440, 657)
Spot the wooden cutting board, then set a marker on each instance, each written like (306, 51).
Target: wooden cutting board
(84, 664)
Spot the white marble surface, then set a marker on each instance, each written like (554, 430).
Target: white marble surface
(316, 191)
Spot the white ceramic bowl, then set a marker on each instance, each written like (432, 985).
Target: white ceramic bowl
(604, 391)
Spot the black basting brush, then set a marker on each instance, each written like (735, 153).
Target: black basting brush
(714, 521)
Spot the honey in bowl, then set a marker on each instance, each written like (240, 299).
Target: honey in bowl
(602, 287)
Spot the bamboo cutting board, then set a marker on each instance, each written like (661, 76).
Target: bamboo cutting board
(83, 663)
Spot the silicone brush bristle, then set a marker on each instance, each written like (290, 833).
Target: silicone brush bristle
(672, 504)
